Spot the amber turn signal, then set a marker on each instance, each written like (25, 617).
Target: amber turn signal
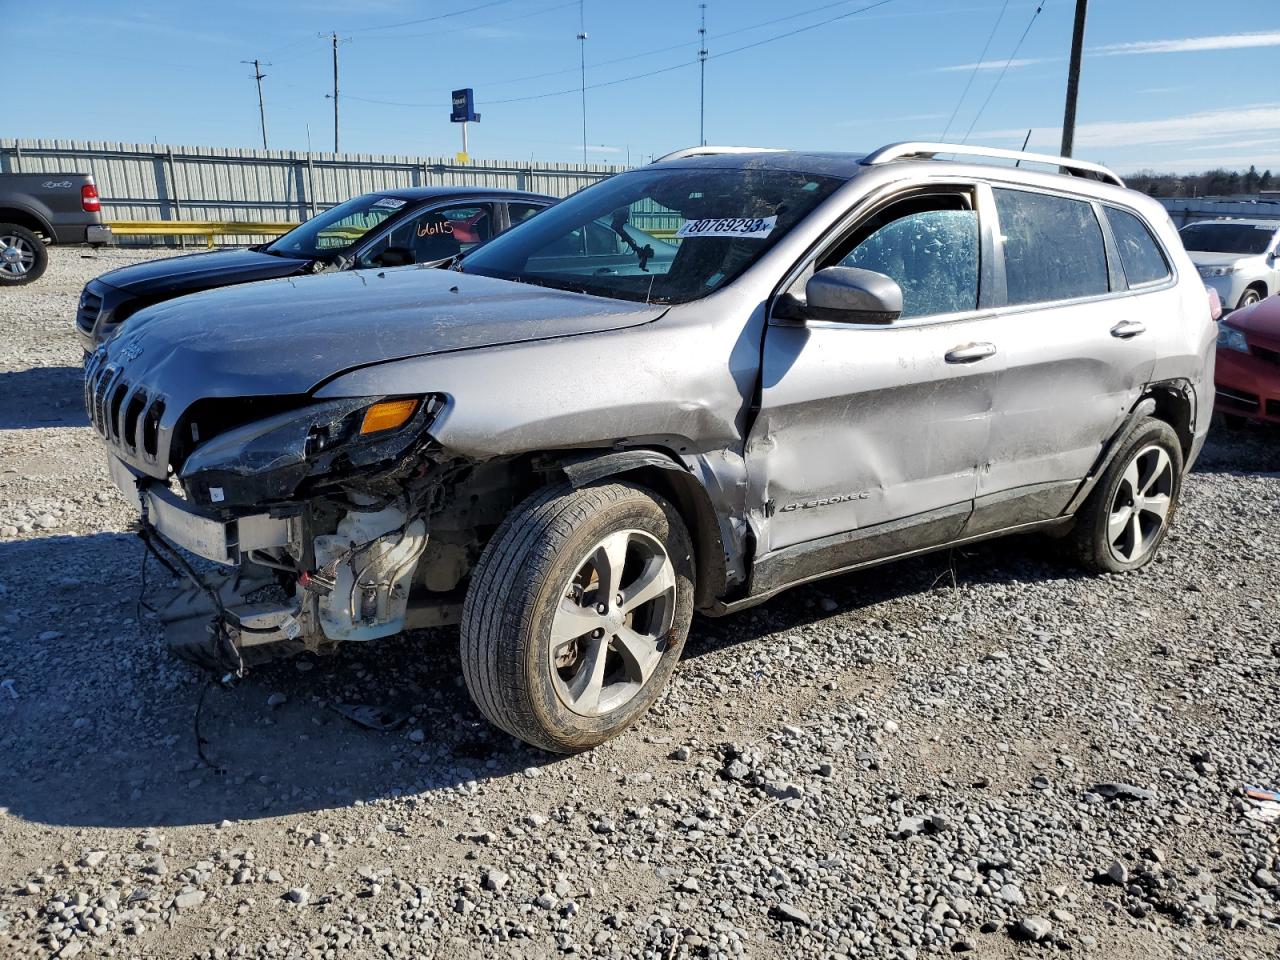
(387, 415)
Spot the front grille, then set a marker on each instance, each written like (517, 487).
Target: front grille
(88, 310)
(1237, 400)
(1262, 353)
(125, 414)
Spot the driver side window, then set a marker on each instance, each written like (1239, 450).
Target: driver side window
(431, 236)
(929, 246)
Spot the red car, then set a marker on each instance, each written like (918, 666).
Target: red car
(1248, 369)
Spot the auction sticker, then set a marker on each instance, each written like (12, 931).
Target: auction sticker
(759, 227)
(389, 203)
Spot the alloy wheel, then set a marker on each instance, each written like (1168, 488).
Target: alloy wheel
(17, 256)
(1141, 505)
(611, 623)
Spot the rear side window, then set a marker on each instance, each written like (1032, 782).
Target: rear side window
(1139, 253)
(1053, 247)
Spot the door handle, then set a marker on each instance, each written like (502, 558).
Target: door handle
(970, 352)
(1128, 329)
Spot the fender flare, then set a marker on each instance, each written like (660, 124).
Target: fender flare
(668, 476)
(25, 211)
(1145, 407)
(590, 467)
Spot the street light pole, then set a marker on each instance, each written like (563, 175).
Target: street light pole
(1073, 79)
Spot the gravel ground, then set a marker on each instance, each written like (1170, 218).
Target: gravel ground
(983, 752)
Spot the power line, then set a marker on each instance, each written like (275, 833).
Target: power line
(262, 113)
(668, 69)
(393, 103)
(690, 63)
(438, 16)
(1003, 71)
(564, 4)
(674, 46)
(976, 67)
(434, 33)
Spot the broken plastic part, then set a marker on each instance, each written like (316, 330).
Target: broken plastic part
(371, 559)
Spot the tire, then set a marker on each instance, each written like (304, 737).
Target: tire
(1147, 475)
(1248, 298)
(23, 256)
(537, 584)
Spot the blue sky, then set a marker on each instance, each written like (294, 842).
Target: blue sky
(1166, 85)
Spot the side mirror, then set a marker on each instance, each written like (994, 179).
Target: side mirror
(852, 295)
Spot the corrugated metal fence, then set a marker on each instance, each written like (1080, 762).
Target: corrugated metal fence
(143, 181)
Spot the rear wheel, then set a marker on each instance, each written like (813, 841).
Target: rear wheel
(577, 613)
(1127, 515)
(23, 256)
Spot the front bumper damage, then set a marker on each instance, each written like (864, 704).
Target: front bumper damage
(282, 588)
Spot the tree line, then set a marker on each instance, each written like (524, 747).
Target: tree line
(1211, 183)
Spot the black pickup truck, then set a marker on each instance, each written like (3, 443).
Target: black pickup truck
(41, 208)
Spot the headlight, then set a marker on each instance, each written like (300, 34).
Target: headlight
(1229, 338)
(1219, 271)
(268, 458)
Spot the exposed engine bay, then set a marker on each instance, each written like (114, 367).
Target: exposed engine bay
(333, 557)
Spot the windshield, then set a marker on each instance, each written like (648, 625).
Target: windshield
(337, 228)
(657, 236)
(1246, 238)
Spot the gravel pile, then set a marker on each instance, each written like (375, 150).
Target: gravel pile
(981, 752)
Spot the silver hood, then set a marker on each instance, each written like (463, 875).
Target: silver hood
(287, 337)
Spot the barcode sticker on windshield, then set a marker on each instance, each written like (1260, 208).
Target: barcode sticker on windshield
(389, 203)
(759, 227)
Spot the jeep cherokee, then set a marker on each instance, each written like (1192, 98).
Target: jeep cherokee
(685, 388)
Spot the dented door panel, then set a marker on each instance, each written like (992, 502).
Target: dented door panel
(864, 425)
(1066, 387)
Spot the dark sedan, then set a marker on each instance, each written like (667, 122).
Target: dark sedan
(386, 229)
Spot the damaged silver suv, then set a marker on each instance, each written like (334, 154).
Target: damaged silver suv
(683, 389)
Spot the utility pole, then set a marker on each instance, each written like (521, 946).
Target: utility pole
(262, 113)
(335, 39)
(702, 78)
(1073, 79)
(335, 91)
(582, 65)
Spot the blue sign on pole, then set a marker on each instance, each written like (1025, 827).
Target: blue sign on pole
(464, 107)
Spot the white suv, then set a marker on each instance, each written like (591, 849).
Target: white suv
(1238, 258)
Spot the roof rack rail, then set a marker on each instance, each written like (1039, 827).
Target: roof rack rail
(923, 149)
(709, 151)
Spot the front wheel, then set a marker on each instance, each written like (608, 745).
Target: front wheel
(23, 256)
(1126, 517)
(1248, 298)
(577, 613)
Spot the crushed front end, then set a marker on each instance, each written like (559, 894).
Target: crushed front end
(312, 515)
